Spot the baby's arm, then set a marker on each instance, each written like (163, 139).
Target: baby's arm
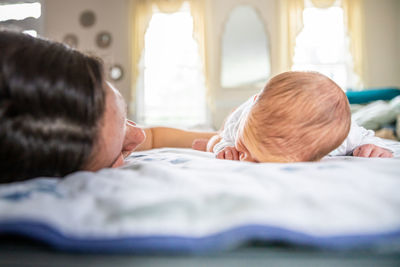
(206, 145)
(362, 143)
(223, 146)
(225, 152)
(223, 143)
(372, 151)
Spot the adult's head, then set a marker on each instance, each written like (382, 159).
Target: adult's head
(299, 116)
(57, 113)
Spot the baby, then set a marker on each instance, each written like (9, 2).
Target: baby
(298, 116)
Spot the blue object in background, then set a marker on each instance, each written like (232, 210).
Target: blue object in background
(361, 97)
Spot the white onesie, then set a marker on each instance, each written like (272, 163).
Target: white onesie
(357, 136)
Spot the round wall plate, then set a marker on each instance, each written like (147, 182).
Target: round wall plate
(116, 72)
(87, 18)
(71, 40)
(103, 39)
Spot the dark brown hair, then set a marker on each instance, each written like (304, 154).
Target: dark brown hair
(51, 102)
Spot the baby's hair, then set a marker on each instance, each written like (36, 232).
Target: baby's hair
(299, 116)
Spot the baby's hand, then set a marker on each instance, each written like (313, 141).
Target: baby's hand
(228, 152)
(372, 151)
(200, 144)
(206, 144)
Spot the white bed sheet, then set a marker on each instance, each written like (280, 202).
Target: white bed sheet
(188, 193)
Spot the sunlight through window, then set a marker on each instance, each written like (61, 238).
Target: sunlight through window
(173, 91)
(20, 11)
(323, 45)
(31, 32)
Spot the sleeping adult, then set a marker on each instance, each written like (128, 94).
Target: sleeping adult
(59, 115)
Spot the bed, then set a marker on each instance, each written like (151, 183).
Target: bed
(190, 209)
(377, 110)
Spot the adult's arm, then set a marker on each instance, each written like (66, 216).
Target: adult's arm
(171, 137)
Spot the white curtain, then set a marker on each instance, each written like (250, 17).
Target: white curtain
(142, 11)
(292, 23)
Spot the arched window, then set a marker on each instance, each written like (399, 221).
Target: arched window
(171, 87)
(323, 45)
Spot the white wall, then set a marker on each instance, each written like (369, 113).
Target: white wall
(62, 17)
(382, 43)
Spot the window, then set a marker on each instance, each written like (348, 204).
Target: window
(23, 16)
(323, 45)
(171, 87)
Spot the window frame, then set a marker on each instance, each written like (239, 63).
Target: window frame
(139, 104)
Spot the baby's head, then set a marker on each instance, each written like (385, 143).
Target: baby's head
(299, 116)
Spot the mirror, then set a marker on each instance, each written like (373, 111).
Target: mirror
(245, 55)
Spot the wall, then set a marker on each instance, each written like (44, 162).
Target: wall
(382, 43)
(62, 17)
(382, 47)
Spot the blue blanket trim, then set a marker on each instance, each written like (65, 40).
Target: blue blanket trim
(365, 96)
(223, 240)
